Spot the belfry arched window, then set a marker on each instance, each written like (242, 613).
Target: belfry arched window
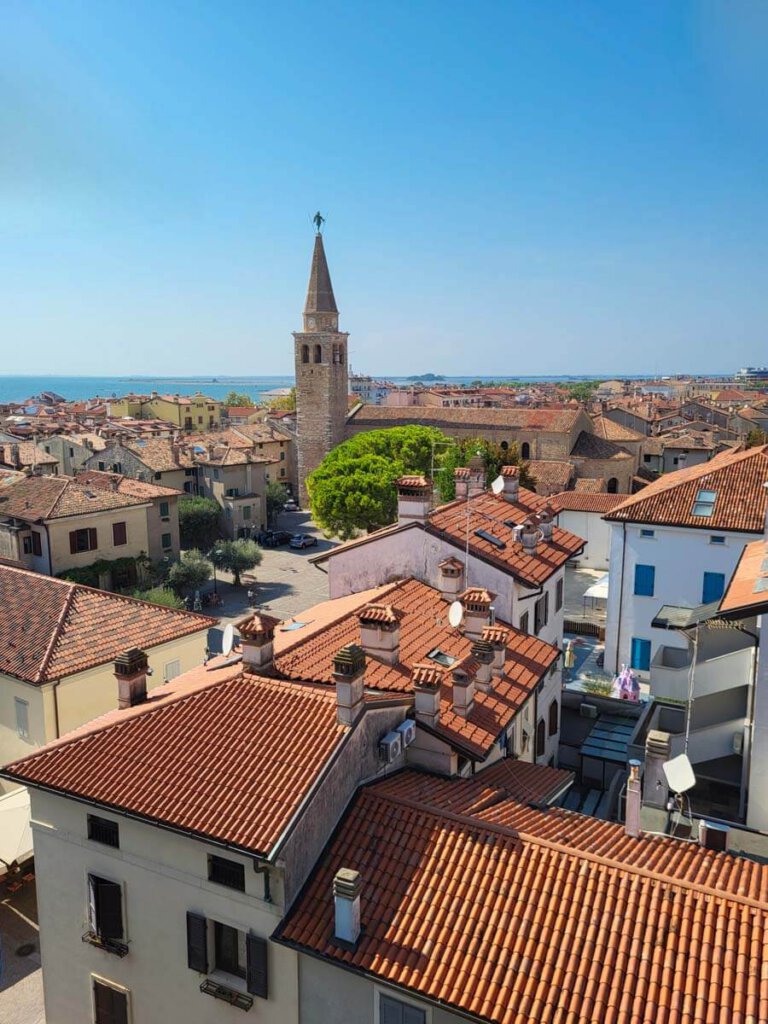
(305, 353)
(318, 354)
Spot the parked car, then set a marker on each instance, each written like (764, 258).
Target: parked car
(303, 540)
(274, 538)
(291, 506)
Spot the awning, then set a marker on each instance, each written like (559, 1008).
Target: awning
(599, 589)
(15, 829)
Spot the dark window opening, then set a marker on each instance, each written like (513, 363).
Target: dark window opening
(305, 353)
(119, 534)
(558, 595)
(105, 907)
(226, 872)
(101, 830)
(229, 948)
(110, 1005)
(553, 718)
(318, 354)
(541, 738)
(525, 450)
(82, 540)
(613, 485)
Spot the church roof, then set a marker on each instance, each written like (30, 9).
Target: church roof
(320, 297)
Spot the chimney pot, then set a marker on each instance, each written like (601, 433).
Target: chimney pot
(427, 681)
(483, 654)
(131, 669)
(414, 493)
(380, 632)
(347, 884)
(257, 634)
(463, 676)
(477, 603)
(634, 800)
(450, 578)
(511, 477)
(349, 676)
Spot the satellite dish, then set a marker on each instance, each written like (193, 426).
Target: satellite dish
(679, 774)
(228, 639)
(498, 485)
(456, 614)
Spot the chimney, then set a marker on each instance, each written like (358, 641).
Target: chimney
(498, 638)
(547, 522)
(477, 603)
(634, 800)
(114, 483)
(511, 477)
(257, 634)
(347, 884)
(131, 674)
(349, 676)
(658, 749)
(426, 681)
(482, 652)
(463, 675)
(461, 480)
(413, 499)
(476, 484)
(15, 458)
(380, 632)
(450, 578)
(530, 535)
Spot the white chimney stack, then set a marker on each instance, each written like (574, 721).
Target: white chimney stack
(477, 603)
(634, 800)
(413, 499)
(257, 634)
(511, 477)
(463, 675)
(498, 638)
(380, 632)
(530, 535)
(427, 681)
(461, 480)
(482, 652)
(547, 522)
(349, 676)
(450, 578)
(347, 884)
(476, 483)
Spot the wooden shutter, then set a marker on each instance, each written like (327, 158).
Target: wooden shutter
(73, 542)
(546, 608)
(92, 540)
(111, 1006)
(197, 942)
(92, 917)
(119, 534)
(256, 976)
(109, 909)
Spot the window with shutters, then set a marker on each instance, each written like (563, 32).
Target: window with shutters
(553, 718)
(713, 588)
(82, 540)
(229, 950)
(524, 622)
(541, 738)
(165, 510)
(540, 613)
(105, 916)
(397, 1011)
(645, 580)
(558, 595)
(166, 541)
(119, 534)
(640, 654)
(110, 1004)
(230, 956)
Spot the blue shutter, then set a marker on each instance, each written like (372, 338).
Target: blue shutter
(641, 654)
(714, 587)
(645, 578)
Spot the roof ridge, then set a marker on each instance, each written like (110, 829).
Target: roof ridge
(424, 807)
(56, 635)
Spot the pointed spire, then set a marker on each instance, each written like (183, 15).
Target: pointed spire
(320, 291)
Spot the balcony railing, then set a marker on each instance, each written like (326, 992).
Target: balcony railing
(227, 995)
(108, 945)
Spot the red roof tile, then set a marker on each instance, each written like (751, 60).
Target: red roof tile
(231, 760)
(50, 628)
(551, 420)
(37, 498)
(307, 653)
(584, 501)
(521, 916)
(748, 587)
(737, 478)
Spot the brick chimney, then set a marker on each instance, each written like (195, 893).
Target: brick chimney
(477, 603)
(257, 635)
(349, 676)
(347, 884)
(461, 480)
(498, 638)
(463, 676)
(131, 674)
(426, 681)
(414, 495)
(511, 477)
(450, 580)
(482, 653)
(380, 632)
(634, 800)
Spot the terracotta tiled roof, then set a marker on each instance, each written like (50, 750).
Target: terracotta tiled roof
(51, 628)
(550, 420)
(591, 485)
(307, 653)
(161, 455)
(383, 614)
(748, 587)
(37, 498)
(412, 480)
(231, 760)
(490, 512)
(124, 485)
(575, 501)
(685, 439)
(590, 446)
(29, 454)
(610, 430)
(515, 915)
(737, 479)
(550, 475)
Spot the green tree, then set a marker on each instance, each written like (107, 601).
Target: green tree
(755, 438)
(198, 522)
(190, 572)
(238, 398)
(277, 495)
(583, 390)
(493, 456)
(160, 595)
(236, 556)
(283, 403)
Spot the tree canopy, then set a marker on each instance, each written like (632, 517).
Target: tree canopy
(283, 403)
(277, 495)
(236, 556)
(198, 522)
(190, 572)
(238, 398)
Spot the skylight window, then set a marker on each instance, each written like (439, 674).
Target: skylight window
(704, 505)
(288, 627)
(491, 538)
(446, 660)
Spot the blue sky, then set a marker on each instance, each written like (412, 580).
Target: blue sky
(519, 187)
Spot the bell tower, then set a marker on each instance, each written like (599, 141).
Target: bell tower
(321, 371)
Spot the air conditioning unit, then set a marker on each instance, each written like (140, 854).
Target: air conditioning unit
(588, 711)
(407, 730)
(713, 836)
(391, 747)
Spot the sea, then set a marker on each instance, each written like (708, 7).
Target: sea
(20, 388)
